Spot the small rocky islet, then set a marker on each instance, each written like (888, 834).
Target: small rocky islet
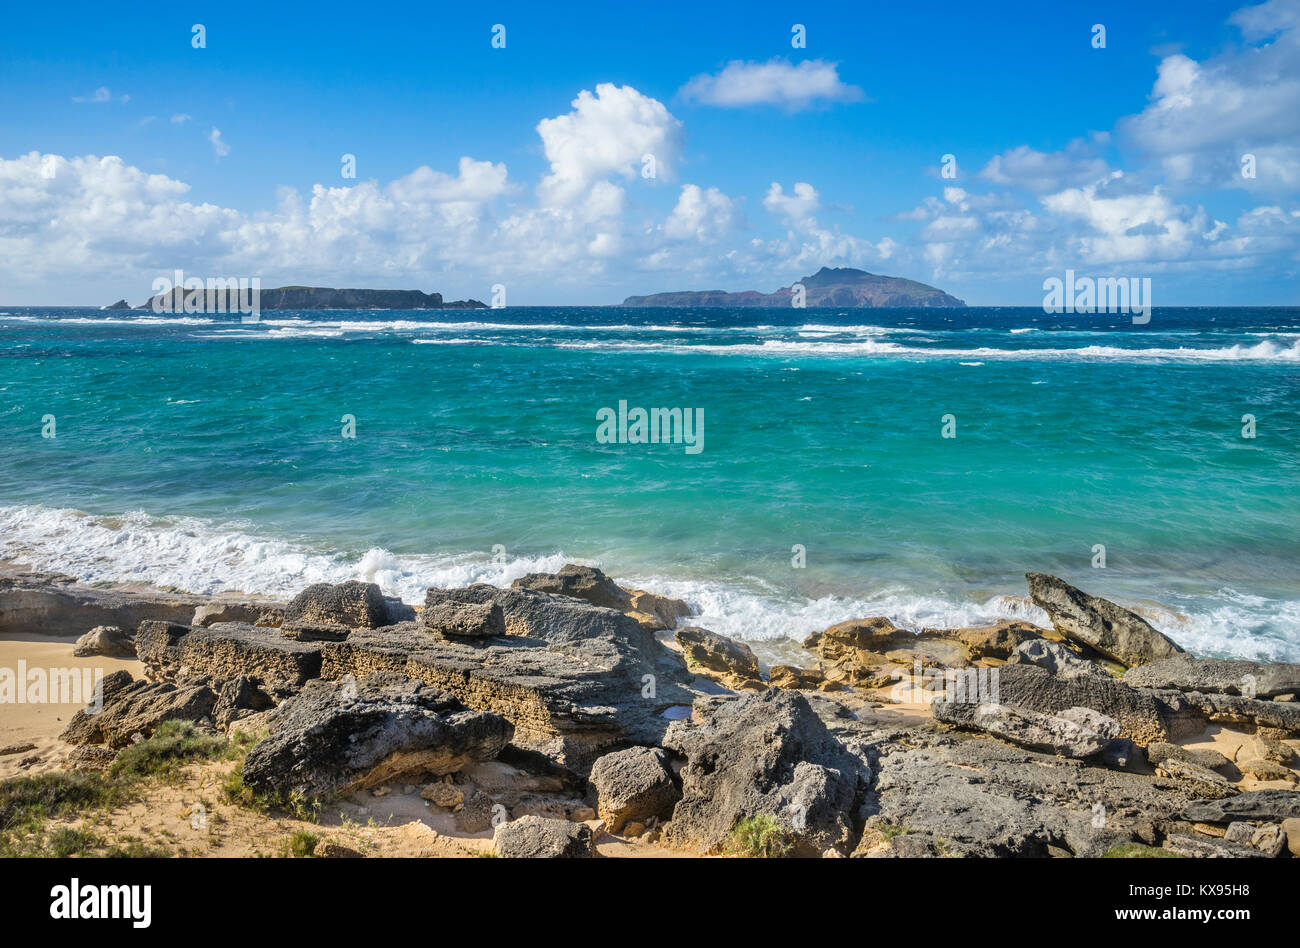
(617, 716)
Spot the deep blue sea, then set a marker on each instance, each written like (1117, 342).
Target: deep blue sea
(207, 454)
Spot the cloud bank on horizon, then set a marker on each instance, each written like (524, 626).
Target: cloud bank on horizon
(625, 202)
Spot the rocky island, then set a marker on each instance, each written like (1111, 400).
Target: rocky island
(568, 716)
(842, 286)
(312, 297)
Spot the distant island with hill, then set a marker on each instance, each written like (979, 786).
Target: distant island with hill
(311, 297)
(840, 286)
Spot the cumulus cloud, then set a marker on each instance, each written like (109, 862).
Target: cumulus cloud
(796, 208)
(102, 94)
(1038, 171)
(701, 215)
(607, 133)
(778, 82)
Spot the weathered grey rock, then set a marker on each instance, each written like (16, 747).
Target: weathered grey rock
(716, 655)
(341, 736)
(476, 813)
(236, 698)
(1261, 769)
(771, 755)
(578, 582)
(252, 611)
(992, 641)
(33, 603)
(106, 640)
(174, 652)
(535, 837)
(1270, 839)
(1030, 688)
(1272, 806)
(1160, 751)
(1217, 676)
(466, 619)
(1197, 780)
(1236, 710)
(133, 707)
(633, 784)
(1206, 847)
(1075, 732)
(97, 757)
(1057, 659)
(323, 610)
(1110, 629)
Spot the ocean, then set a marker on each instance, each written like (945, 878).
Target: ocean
(210, 455)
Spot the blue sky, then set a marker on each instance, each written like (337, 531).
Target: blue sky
(523, 165)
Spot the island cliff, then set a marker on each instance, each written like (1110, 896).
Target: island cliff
(841, 286)
(321, 297)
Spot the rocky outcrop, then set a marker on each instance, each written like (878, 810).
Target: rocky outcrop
(337, 736)
(252, 611)
(991, 641)
(1098, 623)
(1056, 659)
(35, 604)
(765, 755)
(579, 582)
(633, 785)
(535, 837)
(106, 640)
(327, 612)
(839, 286)
(305, 297)
(1074, 732)
(717, 656)
(1272, 805)
(226, 650)
(1217, 676)
(448, 617)
(665, 610)
(133, 709)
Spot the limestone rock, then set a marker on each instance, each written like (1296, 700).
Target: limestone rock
(40, 604)
(1269, 805)
(1074, 732)
(579, 582)
(1057, 659)
(1217, 676)
(535, 837)
(106, 640)
(794, 677)
(133, 707)
(1110, 629)
(716, 655)
(633, 784)
(325, 611)
(465, 619)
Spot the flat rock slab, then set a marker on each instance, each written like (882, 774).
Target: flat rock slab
(53, 604)
(1217, 676)
(1259, 805)
(1099, 623)
(227, 650)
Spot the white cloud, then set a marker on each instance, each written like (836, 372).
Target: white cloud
(102, 94)
(607, 133)
(796, 208)
(219, 148)
(704, 216)
(180, 118)
(778, 82)
(1037, 171)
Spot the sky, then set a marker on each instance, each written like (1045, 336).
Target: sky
(582, 154)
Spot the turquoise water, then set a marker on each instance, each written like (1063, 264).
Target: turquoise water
(206, 454)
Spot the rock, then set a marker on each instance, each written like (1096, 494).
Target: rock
(1236, 710)
(1273, 806)
(476, 813)
(1291, 827)
(716, 655)
(1199, 781)
(21, 747)
(106, 640)
(237, 695)
(1269, 839)
(226, 650)
(534, 837)
(633, 784)
(992, 641)
(1110, 629)
(578, 582)
(929, 650)
(1075, 732)
(1265, 770)
(324, 611)
(466, 619)
(443, 794)
(133, 708)
(1200, 847)
(1270, 748)
(95, 757)
(632, 830)
(327, 850)
(42, 604)
(1141, 718)
(583, 814)
(254, 612)
(1057, 659)
(794, 677)
(338, 737)
(663, 608)
(876, 635)
(1159, 751)
(1216, 676)
(764, 755)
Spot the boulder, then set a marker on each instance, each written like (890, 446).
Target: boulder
(1273, 806)
(1198, 781)
(663, 608)
(716, 655)
(1074, 732)
(633, 784)
(237, 698)
(1217, 676)
(324, 611)
(254, 612)
(1160, 751)
(792, 676)
(764, 755)
(1112, 630)
(464, 619)
(535, 837)
(1291, 827)
(992, 641)
(579, 582)
(841, 641)
(1057, 659)
(1236, 710)
(106, 640)
(335, 737)
(132, 708)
